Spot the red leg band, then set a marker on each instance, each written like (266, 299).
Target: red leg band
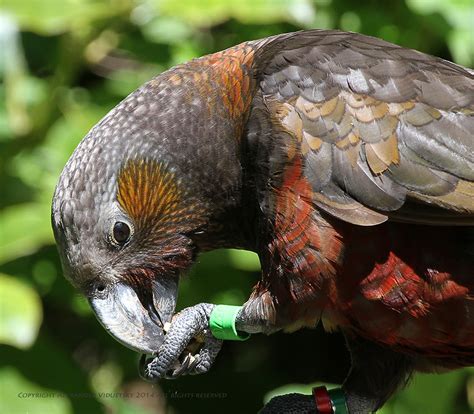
(322, 400)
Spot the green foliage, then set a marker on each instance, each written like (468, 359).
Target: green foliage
(20, 313)
(460, 15)
(64, 64)
(18, 393)
(435, 394)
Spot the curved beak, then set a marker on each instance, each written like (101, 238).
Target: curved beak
(134, 322)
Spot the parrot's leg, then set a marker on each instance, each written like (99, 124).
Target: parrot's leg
(256, 316)
(190, 323)
(186, 325)
(376, 373)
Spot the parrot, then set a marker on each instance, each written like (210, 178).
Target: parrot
(344, 161)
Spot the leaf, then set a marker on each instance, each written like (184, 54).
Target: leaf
(419, 397)
(19, 395)
(24, 228)
(13, 70)
(244, 260)
(211, 12)
(459, 14)
(20, 313)
(49, 17)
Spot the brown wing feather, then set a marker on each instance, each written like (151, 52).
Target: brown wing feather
(381, 128)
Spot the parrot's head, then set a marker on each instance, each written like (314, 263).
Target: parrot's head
(131, 202)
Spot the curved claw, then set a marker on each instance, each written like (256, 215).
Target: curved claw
(143, 363)
(187, 366)
(194, 363)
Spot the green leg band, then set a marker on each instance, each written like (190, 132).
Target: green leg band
(339, 401)
(222, 323)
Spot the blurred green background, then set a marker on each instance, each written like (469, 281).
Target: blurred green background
(64, 64)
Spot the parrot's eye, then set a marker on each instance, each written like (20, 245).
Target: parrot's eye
(121, 232)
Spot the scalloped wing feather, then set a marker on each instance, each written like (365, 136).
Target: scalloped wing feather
(381, 128)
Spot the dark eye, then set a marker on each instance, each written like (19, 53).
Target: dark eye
(121, 232)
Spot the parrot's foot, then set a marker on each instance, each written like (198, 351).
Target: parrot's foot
(189, 346)
(290, 404)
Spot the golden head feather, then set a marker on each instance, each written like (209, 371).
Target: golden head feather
(150, 194)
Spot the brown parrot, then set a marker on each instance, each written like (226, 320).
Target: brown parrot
(344, 161)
